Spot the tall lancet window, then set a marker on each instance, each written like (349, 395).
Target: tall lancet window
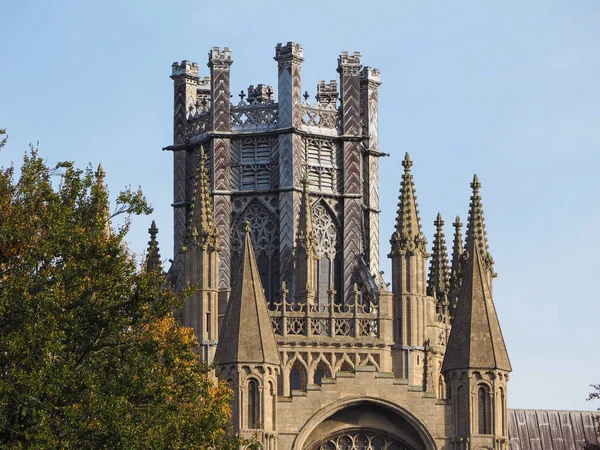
(328, 247)
(253, 404)
(483, 410)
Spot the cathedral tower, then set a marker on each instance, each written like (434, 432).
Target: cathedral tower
(276, 215)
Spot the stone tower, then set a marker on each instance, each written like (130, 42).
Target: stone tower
(276, 215)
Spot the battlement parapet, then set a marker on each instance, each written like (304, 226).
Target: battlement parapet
(185, 68)
(290, 51)
(370, 75)
(348, 63)
(218, 58)
(327, 93)
(260, 94)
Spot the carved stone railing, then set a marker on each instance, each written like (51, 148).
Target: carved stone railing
(354, 320)
(321, 116)
(254, 117)
(198, 125)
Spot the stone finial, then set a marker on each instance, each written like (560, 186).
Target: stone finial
(185, 68)
(103, 212)
(201, 224)
(407, 237)
(288, 52)
(476, 239)
(220, 59)
(153, 259)
(100, 174)
(438, 283)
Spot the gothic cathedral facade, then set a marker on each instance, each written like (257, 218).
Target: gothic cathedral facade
(276, 216)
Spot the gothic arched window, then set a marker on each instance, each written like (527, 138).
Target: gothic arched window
(253, 404)
(483, 410)
(265, 241)
(297, 378)
(320, 161)
(328, 248)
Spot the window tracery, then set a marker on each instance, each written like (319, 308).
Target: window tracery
(265, 241)
(361, 440)
(328, 249)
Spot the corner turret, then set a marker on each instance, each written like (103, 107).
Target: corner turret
(248, 356)
(476, 365)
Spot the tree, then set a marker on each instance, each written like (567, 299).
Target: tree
(90, 355)
(594, 395)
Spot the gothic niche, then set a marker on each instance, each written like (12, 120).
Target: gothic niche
(329, 250)
(265, 240)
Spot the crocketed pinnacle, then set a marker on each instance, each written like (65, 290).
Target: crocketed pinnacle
(407, 237)
(306, 238)
(437, 285)
(455, 275)
(476, 234)
(476, 340)
(457, 246)
(104, 211)
(201, 225)
(153, 259)
(247, 335)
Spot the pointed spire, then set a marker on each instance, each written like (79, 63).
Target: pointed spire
(455, 277)
(201, 224)
(104, 210)
(476, 340)
(476, 234)
(306, 239)
(153, 259)
(437, 285)
(407, 236)
(247, 335)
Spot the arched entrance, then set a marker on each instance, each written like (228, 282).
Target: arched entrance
(364, 423)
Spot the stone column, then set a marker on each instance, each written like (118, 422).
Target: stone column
(219, 62)
(289, 59)
(349, 69)
(185, 79)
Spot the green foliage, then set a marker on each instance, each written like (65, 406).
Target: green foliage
(90, 355)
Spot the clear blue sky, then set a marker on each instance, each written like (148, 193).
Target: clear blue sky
(505, 89)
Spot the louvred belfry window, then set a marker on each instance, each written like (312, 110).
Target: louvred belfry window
(255, 164)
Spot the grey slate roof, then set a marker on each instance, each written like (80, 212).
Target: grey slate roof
(531, 429)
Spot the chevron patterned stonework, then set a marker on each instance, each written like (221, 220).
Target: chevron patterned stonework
(276, 222)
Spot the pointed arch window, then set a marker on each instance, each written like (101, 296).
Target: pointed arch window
(329, 266)
(483, 410)
(264, 233)
(297, 378)
(253, 404)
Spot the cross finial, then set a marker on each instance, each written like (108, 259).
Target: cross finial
(306, 96)
(242, 94)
